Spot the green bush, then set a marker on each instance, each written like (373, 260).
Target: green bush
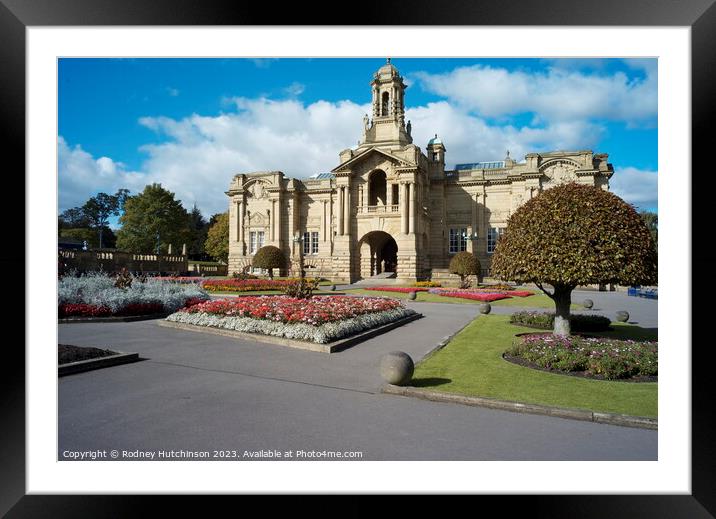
(269, 258)
(578, 322)
(465, 264)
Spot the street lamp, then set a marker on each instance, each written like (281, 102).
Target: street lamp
(298, 240)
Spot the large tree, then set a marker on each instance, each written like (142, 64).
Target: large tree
(101, 207)
(199, 229)
(652, 223)
(574, 235)
(217, 239)
(152, 221)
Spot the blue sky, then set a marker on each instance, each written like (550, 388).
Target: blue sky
(192, 124)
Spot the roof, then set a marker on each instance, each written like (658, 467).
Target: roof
(435, 140)
(496, 164)
(321, 176)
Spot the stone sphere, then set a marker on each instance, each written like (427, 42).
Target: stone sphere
(332, 288)
(622, 316)
(485, 308)
(588, 303)
(396, 368)
(412, 296)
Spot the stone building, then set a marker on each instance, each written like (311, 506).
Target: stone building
(389, 207)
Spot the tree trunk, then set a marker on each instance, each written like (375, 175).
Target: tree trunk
(562, 300)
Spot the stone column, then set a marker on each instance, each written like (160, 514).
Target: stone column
(404, 208)
(272, 222)
(388, 194)
(480, 243)
(240, 224)
(473, 224)
(339, 210)
(411, 209)
(324, 223)
(347, 210)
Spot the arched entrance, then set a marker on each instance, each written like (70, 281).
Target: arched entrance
(378, 254)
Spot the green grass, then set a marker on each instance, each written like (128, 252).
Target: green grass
(472, 364)
(535, 301)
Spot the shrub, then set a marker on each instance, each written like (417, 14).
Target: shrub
(465, 264)
(578, 322)
(269, 258)
(301, 288)
(609, 358)
(429, 284)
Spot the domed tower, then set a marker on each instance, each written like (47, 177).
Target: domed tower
(388, 123)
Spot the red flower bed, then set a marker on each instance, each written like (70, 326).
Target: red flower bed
(486, 297)
(314, 311)
(246, 285)
(83, 310)
(404, 290)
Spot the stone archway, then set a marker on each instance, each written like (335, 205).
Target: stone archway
(378, 253)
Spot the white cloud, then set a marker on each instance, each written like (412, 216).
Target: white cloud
(555, 95)
(174, 92)
(295, 89)
(637, 186)
(82, 176)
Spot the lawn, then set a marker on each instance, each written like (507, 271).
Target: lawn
(472, 364)
(535, 301)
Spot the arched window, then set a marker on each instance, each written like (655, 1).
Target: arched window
(385, 104)
(377, 188)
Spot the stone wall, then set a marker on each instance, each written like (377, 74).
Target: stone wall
(111, 261)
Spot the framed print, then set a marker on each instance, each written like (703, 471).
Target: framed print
(367, 165)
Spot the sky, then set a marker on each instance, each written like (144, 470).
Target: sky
(192, 124)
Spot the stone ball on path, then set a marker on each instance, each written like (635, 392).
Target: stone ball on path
(412, 296)
(622, 316)
(485, 308)
(396, 368)
(588, 303)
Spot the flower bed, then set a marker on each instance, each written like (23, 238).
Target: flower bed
(516, 293)
(180, 279)
(402, 290)
(320, 319)
(95, 295)
(247, 285)
(545, 321)
(476, 296)
(596, 357)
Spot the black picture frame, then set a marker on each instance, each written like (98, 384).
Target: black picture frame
(699, 15)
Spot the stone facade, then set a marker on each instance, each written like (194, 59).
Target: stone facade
(389, 207)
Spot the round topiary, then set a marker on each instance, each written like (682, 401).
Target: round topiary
(485, 308)
(412, 296)
(588, 303)
(622, 316)
(571, 235)
(396, 368)
(465, 264)
(269, 258)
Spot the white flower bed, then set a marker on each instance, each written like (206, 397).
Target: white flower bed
(98, 289)
(322, 334)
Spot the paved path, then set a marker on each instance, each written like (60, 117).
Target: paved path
(205, 392)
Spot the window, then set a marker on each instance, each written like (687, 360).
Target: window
(310, 242)
(256, 241)
(493, 235)
(458, 240)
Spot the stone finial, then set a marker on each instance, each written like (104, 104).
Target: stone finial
(387, 60)
(169, 249)
(183, 249)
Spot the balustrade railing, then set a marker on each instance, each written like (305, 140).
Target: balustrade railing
(382, 209)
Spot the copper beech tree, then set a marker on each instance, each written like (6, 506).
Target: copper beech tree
(573, 235)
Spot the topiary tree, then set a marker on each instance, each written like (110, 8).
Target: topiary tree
(465, 264)
(573, 235)
(269, 257)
